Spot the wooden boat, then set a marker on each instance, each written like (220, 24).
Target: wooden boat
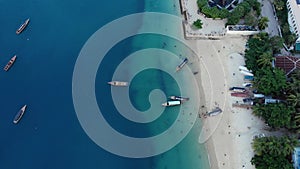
(20, 114)
(180, 66)
(244, 68)
(179, 98)
(22, 27)
(242, 105)
(171, 103)
(214, 112)
(237, 89)
(246, 73)
(118, 83)
(240, 94)
(10, 63)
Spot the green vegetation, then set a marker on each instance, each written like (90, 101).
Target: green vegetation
(248, 9)
(270, 81)
(276, 115)
(212, 12)
(293, 98)
(260, 48)
(273, 152)
(263, 23)
(198, 24)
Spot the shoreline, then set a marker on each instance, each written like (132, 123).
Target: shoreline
(228, 136)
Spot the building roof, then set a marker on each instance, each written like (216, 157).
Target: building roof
(287, 63)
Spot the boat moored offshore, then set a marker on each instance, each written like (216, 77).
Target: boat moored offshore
(10, 63)
(180, 66)
(20, 114)
(171, 103)
(22, 27)
(179, 98)
(118, 83)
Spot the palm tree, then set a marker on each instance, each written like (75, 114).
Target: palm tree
(263, 23)
(294, 85)
(265, 59)
(294, 99)
(279, 4)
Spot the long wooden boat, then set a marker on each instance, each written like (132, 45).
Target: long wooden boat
(240, 94)
(10, 63)
(20, 114)
(22, 27)
(180, 66)
(180, 98)
(242, 105)
(214, 112)
(118, 83)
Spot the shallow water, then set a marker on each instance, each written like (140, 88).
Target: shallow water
(50, 135)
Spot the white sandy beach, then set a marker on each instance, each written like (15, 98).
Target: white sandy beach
(228, 136)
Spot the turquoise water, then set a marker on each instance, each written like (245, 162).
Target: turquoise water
(49, 135)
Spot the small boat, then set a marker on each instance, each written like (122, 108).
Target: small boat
(248, 78)
(22, 27)
(171, 103)
(242, 105)
(240, 94)
(214, 112)
(246, 73)
(237, 89)
(180, 66)
(244, 68)
(20, 114)
(118, 83)
(10, 63)
(179, 98)
(247, 84)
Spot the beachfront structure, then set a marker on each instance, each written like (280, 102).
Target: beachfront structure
(296, 158)
(241, 30)
(293, 7)
(287, 63)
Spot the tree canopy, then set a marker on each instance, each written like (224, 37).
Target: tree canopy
(198, 24)
(263, 23)
(273, 152)
(270, 80)
(276, 115)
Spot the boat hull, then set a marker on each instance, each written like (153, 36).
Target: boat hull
(171, 103)
(181, 65)
(118, 83)
(22, 27)
(179, 98)
(19, 115)
(10, 63)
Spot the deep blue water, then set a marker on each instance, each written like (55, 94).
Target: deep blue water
(49, 135)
